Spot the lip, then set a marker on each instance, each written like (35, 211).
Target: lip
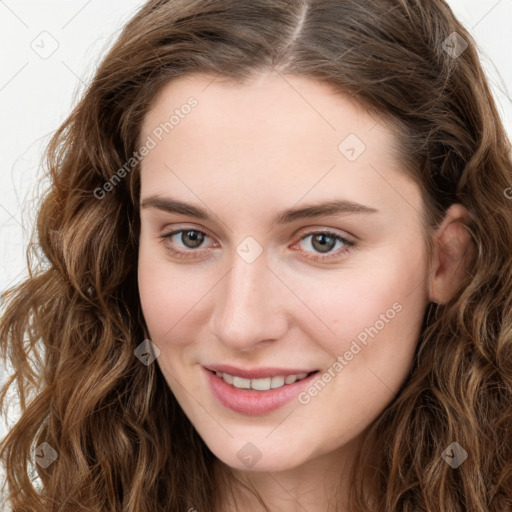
(257, 373)
(251, 402)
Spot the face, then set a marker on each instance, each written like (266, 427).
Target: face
(230, 282)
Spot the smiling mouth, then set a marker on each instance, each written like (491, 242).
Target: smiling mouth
(262, 384)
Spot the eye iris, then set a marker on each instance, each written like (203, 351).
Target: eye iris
(323, 247)
(196, 237)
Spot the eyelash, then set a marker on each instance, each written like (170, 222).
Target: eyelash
(349, 244)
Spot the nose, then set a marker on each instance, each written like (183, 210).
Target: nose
(250, 305)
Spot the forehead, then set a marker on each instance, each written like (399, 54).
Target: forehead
(283, 136)
(270, 103)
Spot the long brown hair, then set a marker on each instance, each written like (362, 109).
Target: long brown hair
(69, 331)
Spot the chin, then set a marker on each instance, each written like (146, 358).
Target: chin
(248, 457)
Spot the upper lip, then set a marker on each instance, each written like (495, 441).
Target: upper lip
(256, 373)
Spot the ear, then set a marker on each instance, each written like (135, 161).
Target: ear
(453, 252)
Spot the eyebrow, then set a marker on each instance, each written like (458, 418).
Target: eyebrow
(339, 206)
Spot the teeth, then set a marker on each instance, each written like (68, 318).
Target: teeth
(260, 384)
(241, 383)
(277, 382)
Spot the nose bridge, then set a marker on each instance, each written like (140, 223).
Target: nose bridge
(247, 309)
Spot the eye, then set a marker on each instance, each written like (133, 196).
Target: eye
(324, 242)
(190, 238)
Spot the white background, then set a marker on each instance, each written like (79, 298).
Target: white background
(36, 94)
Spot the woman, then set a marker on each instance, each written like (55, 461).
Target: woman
(279, 273)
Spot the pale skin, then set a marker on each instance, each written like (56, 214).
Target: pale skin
(244, 154)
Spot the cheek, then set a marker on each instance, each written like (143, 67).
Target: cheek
(362, 307)
(171, 298)
(159, 293)
(153, 301)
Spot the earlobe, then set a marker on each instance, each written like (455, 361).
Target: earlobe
(453, 252)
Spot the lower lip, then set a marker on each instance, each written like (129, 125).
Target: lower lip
(250, 401)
